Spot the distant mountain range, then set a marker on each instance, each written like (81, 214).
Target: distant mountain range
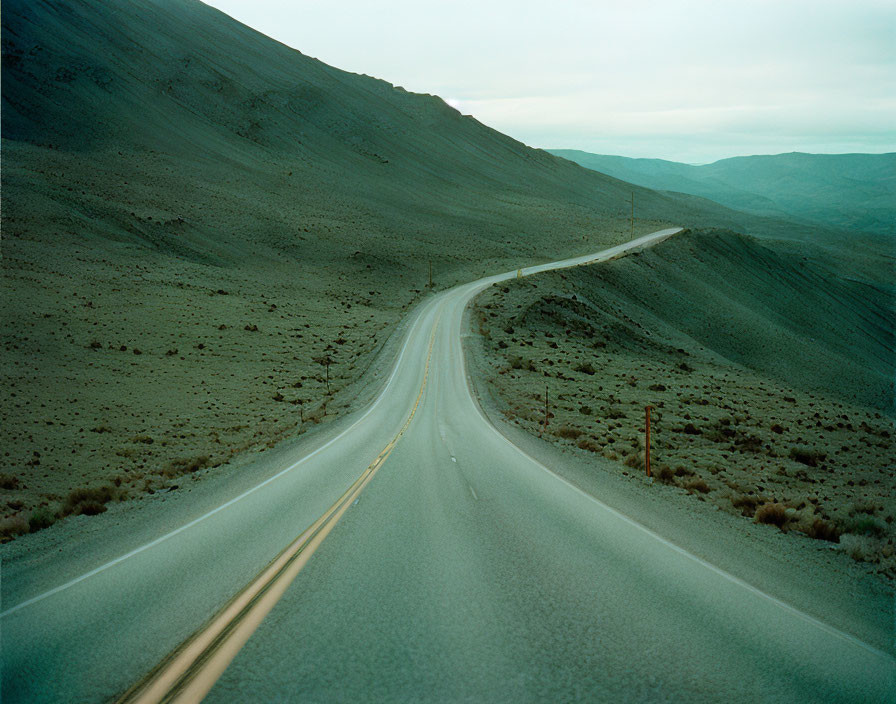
(848, 191)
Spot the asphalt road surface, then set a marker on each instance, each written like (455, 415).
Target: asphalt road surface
(456, 568)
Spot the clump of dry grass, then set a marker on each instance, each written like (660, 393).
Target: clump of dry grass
(184, 465)
(665, 474)
(585, 368)
(12, 526)
(861, 548)
(697, 486)
(588, 444)
(807, 456)
(41, 518)
(745, 503)
(522, 363)
(8, 482)
(823, 530)
(568, 432)
(88, 501)
(771, 513)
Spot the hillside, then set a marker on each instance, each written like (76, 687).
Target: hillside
(849, 191)
(197, 219)
(771, 376)
(171, 126)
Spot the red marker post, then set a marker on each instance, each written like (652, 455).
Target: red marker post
(647, 410)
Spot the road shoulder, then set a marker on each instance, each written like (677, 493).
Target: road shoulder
(806, 574)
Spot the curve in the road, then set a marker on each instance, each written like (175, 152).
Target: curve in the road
(484, 577)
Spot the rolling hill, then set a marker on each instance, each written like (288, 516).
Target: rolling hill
(848, 191)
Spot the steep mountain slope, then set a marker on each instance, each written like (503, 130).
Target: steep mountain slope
(178, 92)
(849, 191)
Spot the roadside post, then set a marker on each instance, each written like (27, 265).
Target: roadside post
(647, 410)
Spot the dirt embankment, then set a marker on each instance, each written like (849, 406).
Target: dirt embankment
(771, 379)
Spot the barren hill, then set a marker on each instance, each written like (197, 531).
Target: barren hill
(197, 220)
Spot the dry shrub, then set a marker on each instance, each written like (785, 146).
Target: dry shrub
(748, 443)
(87, 501)
(633, 461)
(585, 368)
(772, 514)
(567, 432)
(8, 482)
(665, 474)
(806, 456)
(521, 363)
(864, 506)
(823, 530)
(697, 485)
(183, 465)
(746, 504)
(40, 518)
(90, 508)
(588, 444)
(13, 526)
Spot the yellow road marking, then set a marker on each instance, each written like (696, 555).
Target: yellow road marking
(191, 670)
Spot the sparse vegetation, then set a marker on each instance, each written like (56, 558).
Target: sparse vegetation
(8, 482)
(88, 501)
(823, 530)
(40, 518)
(568, 432)
(186, 465)
(807, 456)
(771, 513)
(744, 440)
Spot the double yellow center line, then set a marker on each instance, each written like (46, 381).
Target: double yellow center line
(191, 670)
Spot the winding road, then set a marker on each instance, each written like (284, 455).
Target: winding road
(418, 555)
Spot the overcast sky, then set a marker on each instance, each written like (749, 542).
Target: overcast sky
(689, 81)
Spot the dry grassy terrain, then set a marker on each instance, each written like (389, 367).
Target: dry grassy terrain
(187, 239)
(771, 377)
(194, 216)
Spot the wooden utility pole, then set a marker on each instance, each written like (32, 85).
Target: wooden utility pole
(430, 273)
(546, 412)
(328, 375)
(647, 410)
(633, 215)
